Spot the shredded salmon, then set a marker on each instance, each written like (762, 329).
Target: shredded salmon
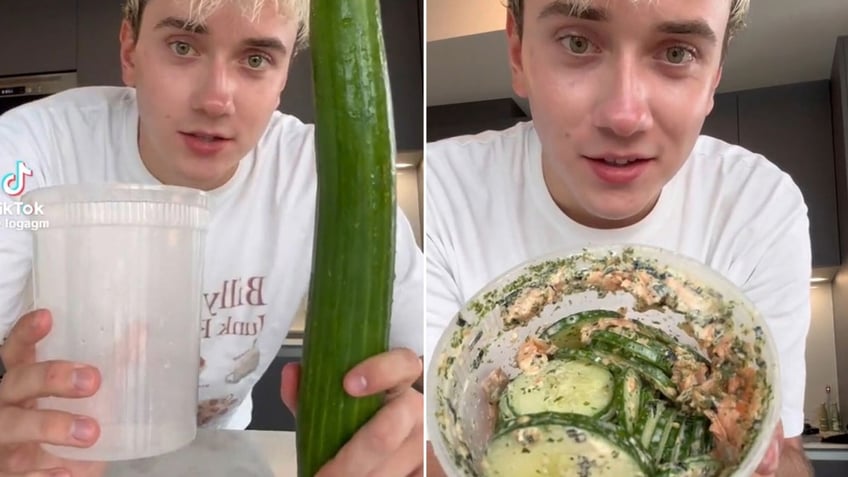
(533, 354)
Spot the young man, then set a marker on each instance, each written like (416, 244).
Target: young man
(204, 80)
(619, 91)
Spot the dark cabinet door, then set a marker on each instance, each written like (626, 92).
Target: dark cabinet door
(791, 126)
(38, 36)
(450, 120)
(839, 103)
(99, 62)
(269, 412)
(723, 121)
(403, 42)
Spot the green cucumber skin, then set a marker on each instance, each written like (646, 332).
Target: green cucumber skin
(351, 286)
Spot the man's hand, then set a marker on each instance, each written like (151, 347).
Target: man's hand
(392, 442)
(24, 427)
(784, 457)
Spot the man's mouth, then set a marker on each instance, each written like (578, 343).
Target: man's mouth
(618, 161)
(207, 137)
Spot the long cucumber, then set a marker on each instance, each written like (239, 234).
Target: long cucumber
(350, 293)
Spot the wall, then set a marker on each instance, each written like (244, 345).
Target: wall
(821, 353)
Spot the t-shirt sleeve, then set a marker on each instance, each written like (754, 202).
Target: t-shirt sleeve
(19, 141)
(779, 287)
(408, 295)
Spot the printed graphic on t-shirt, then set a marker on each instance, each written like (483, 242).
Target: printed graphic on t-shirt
(213, 408)
(245, 364)
(233, 318)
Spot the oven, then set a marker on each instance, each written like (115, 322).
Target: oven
(17, 90)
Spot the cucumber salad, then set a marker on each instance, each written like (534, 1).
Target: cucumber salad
(600, 395)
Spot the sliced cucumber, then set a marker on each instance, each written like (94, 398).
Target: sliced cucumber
(565, 333)
(649, 422)
(629, 399)
(678, 451)
(653, 353)
(504, 411)
(668, 439)
(661, 431)
(565, 386)
(650, 374)
(563, 445)
(702, 466)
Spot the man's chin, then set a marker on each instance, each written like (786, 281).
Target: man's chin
(206, 174)
(610, 216)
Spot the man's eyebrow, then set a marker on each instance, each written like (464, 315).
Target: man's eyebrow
(692, 27)
(181, 24)
(570, 9)
(267, 43)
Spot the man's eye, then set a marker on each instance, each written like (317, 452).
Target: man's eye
(577, 44)
(678, 55)
(181, 48)
(256, 61)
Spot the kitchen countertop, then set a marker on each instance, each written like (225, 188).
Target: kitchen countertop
(220, 453)
(817, 450)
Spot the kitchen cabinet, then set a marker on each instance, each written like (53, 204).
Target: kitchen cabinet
(839, 107)
(403, 43)
(269, 412)
(38, 36)
(457, 119)
(830, 468)
(791, 126)
(99, 62)
(723, 121)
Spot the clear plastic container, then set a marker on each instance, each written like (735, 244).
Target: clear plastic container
(120, 268)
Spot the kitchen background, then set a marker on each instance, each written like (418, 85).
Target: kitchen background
(784, 94)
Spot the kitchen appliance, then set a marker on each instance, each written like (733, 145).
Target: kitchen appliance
(17, 90)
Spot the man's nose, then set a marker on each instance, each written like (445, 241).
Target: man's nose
(623, 108)
(214, 95)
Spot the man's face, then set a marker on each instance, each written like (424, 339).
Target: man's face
(618, 96)
(205, 96)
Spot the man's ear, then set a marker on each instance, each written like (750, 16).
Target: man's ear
(127, 38)
(519, 82)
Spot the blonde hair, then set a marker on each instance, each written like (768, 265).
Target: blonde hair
(199, 10)
(735, 22)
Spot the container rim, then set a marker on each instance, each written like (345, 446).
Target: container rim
(116, 192)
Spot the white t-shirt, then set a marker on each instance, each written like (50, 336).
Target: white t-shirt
(488, 210)
(258, 245)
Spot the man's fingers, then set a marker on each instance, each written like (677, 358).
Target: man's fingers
(380, 437)
(289, 385)
(393, 371)
(407, 461)
(771, 460)
(54, 427)
(49, 378)
(434, 468)
(19, 347)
